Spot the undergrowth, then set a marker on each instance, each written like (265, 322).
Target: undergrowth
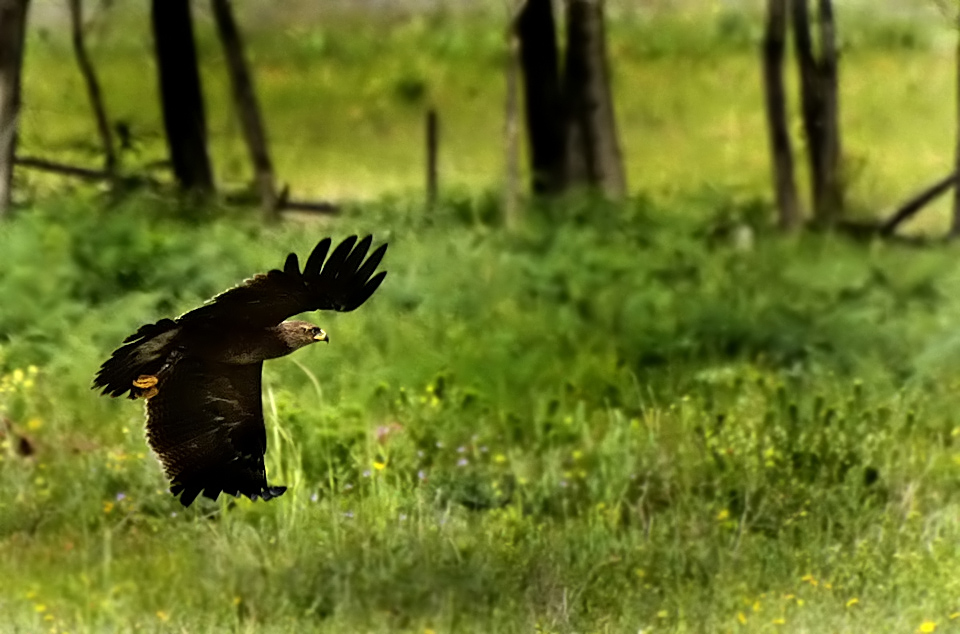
(615, 418)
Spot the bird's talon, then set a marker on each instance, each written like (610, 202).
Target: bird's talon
(145, 381)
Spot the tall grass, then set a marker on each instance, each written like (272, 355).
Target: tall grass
(615, 419)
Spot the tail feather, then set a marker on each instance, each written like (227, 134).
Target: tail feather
(143, 353)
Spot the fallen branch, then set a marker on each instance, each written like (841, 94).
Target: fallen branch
(914, 204)
(62, 168)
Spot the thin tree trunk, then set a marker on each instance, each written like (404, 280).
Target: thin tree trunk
(93, 86)
(539, 61)
(248, 110)
(828, 68)
(781, 152)
(511, 134)
(955, 223)
(432, 141)
(180, 94)
(589, 102)
(13, 25)
(810, 99)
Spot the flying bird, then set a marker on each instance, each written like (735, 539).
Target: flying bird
(200, 373)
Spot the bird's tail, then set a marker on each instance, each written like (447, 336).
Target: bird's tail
(142, 355)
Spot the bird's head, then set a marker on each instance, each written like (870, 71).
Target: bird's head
(298, 334)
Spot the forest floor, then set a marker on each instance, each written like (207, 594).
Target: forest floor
(654, 416)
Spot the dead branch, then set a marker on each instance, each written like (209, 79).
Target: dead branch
(915, 203)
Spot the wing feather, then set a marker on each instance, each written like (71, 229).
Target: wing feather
(206, 426)
(341, 282)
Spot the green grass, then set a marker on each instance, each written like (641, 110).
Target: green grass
(345, 94)
(614, 419)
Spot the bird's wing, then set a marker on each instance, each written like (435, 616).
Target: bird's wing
(341, 282)
(205, 423)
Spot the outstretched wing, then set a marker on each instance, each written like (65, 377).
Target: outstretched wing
(205, 423)
(341, 282)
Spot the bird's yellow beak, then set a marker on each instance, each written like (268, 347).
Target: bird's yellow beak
(321, 336)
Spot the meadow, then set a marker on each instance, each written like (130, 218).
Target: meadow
(612, 418)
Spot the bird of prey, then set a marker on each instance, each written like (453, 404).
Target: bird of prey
(200, 372)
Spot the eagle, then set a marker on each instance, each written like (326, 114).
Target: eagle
(200, 373)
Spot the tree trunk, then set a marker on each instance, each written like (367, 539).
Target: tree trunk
(829, 83)
(593, 148)
(13, 25)
(511, 134)
(955, 223)
(248, 110)
(539, 61)
(180, 94)
(93, 86)
(781, 152)
(820, 106)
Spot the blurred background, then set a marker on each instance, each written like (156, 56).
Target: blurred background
(668, 341)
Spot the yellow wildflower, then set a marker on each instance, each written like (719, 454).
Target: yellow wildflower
(163, 616)
(927, 627)
(107, 506)
(742, 618)
(852, 602)
(780, 621)
(723, 515)
(379, 466)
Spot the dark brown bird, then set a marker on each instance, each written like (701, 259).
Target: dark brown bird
(200, 373)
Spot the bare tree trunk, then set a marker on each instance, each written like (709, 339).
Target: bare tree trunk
(180, 94)
(592, 138)
(432, 139)
(820, 106)
(781, 152)
(829, 85)
(511, 134)
(539, 60)
(245, 101)
(93, 86)
(955, 223)
(13, 26)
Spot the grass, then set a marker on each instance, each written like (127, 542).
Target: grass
(616, 418)
(623, 421)
(345, 93)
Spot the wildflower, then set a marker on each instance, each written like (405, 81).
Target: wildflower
(439, 444)
(809, 579)
(462, 462)
(39, 607)
(348, 514)
(121, 496)
(563, 484)
(379, 466)
(741, 618)
(237, 601)
(756, 606)
(347, 486)
(403, 517)
(163, 616)
(662, 614)
(955, 615)
(500, 458)
(366, 473)
(483, 449)
(107, 507)
(421, 474)
(723, 515)
(927, 627)
(461, 449)
(852, 602)
(314, 497)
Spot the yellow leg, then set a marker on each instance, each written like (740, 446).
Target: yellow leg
(145, 381)
(150, 393)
